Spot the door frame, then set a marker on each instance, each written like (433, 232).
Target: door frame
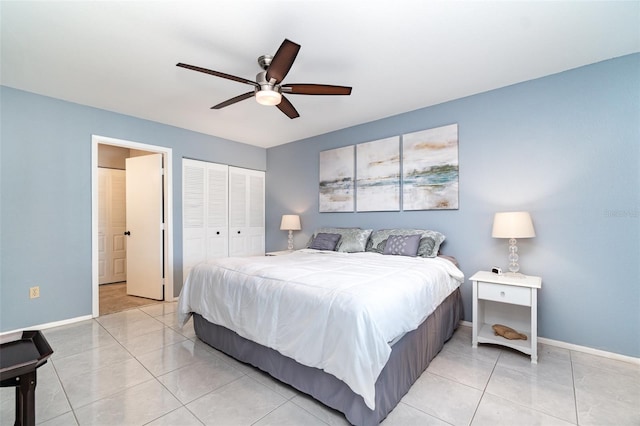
(168, 213)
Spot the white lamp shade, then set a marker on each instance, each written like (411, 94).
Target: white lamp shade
(512, 225)
(290, 222)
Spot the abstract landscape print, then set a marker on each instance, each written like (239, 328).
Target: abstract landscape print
(378, 175)
(336, 180)
(430, 169)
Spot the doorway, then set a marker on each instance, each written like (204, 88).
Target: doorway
(99, 144)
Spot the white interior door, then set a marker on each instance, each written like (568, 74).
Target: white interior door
(112, 249)
(144, 226)
(103, 251)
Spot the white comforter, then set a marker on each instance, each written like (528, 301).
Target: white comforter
(329, 310)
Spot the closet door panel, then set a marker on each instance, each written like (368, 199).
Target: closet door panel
(194, 247)
(217, 211)
(246, 212)
(237, 198)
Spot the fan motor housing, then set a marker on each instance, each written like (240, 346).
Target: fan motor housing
(261, 79)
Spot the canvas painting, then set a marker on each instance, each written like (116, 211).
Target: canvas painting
(378, 175)
(337, 180)
(430, 169)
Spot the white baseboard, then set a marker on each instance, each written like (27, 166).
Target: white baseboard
(578, 348)
(588, 350)
(8, 336)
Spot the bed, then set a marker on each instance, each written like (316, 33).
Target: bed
(352, 329)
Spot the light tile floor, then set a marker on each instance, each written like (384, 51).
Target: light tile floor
(137, 368)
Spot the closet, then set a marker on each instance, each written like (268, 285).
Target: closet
(222, 212)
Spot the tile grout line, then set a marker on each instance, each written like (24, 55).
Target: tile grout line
(484, 390)
(573, 383)
(66, 396)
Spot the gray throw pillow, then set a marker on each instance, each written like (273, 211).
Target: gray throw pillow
(324, 241)
(353, 239)
(403, 245)
(429, 244)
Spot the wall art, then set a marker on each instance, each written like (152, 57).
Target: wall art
(430, 169)
(378, 175)
(337, 180)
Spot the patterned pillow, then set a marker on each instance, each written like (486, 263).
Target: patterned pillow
(403, 245)
(429, 244)
(353, 239)
(324, 241)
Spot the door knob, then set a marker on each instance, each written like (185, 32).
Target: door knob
(127, 233)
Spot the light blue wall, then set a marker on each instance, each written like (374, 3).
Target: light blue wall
(45, 210)
(565, 148)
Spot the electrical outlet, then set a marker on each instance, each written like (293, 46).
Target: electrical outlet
(34, 292)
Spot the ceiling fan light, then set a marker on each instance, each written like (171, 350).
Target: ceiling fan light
(268, 97)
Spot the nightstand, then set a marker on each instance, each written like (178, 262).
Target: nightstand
(507, 300)
(279, 253)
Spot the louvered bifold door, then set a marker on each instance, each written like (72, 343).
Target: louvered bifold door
(204, 212)
(246, 212)
(217, 211)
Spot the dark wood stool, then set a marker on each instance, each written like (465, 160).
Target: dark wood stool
(19, 360)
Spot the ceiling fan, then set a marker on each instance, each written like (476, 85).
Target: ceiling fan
(267, 88)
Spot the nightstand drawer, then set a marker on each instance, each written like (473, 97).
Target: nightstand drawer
(504, 293)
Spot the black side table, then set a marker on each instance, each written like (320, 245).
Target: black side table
(19, 360)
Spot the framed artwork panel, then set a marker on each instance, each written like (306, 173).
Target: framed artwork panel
(430, 169)
(336, 188)
(378, 175)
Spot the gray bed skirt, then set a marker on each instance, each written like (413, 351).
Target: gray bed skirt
(409, 357)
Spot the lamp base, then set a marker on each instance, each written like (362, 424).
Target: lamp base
(513, 255)
(290, 241)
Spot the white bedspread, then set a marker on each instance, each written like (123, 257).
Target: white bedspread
(329, 310)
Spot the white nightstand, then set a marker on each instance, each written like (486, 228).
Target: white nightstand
(510, 301)
(279, 253)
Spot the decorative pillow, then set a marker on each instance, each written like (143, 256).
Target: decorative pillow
(327, 231)
(429, 243)
(403, 245)
(324, 241)
(353, 239)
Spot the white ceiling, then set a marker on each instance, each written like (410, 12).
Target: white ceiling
(398, 55)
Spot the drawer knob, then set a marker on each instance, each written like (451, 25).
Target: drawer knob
(502, 294)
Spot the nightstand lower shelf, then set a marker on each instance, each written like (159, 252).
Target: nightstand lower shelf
(486, 335)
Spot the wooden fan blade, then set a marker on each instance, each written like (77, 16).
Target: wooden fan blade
(287, 107)
(282, 60)
(315, 89)
(233, 100)
(218, 74)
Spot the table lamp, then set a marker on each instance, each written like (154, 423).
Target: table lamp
(513, 225)
(290, 222)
